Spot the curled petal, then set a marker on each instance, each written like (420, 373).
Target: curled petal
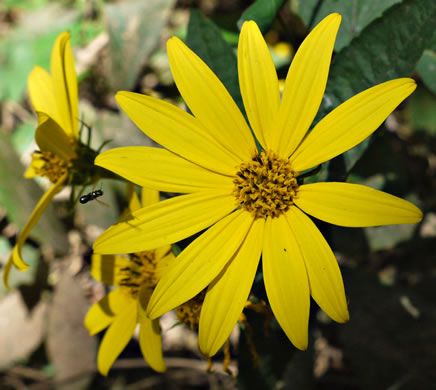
(39, 209)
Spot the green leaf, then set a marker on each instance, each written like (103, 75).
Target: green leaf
(263, 12)
(422, 110)
(205, 39)
(427, 69)
(387, 49)
(356, 15)
(134, 29)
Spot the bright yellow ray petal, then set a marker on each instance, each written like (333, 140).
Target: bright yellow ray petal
(199, 263)
(50, 138)
(166, 257)
(354, 205)
(305, 85)
(41, 93)
(151, 344)
(30, 172)
(65, 84)
(161, 170)
(6, 271)
(325, 279)
(149, 197)
(105, 268)
(134, 203)
(350, 123)
(258, 82)
(116, 338)
(102, 313)
(209, 100)
(286, 283)
(228, 293)
(33, 219)
(166, 222)
(177, 131)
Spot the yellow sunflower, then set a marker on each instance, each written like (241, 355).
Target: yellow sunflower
(120, 310)
(54, 99)
(250, 200)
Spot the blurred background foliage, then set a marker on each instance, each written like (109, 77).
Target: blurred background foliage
(389, 272)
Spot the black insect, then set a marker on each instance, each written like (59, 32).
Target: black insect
(91, 196)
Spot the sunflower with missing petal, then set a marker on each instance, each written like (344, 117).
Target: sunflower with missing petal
(250, 200)
(120, 310)
(61, 158)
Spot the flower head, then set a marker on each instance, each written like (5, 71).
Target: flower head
(120, 311)
(251, 201)
(54, 99)
(61, 157)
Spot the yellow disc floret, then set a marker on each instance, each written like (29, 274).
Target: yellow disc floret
(189, 312)
(49, 165)
(140, 272)
(266, 185)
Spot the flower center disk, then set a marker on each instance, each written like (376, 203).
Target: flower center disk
(49, 165)
(140, 272)
(265, 185)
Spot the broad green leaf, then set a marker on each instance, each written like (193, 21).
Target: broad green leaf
(205, 39)
(135, 28)
(356, 15)
(263, 12)
(388, 48)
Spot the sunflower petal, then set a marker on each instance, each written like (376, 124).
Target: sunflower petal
(116, 338)
(161, 170)
(102, 313)
(151, 344)
(166, 222)
(41, 93)
(209, 100)
(105, 268)
(6, 271)
(228, 293)
(286, 283)
(149, 197)
(177, 131)
(325, 279)
(305, 85)
(65, 84)
(33, 219)
(199, 263)
(354, 205)
(258, 82)
(350, 123)
(51, 138)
